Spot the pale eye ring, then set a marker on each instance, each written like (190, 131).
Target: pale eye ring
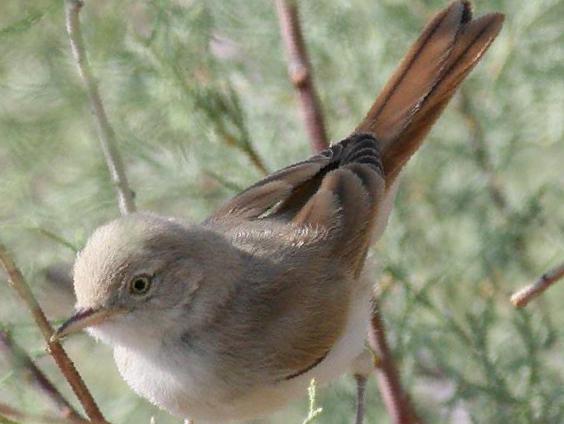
(140, 285)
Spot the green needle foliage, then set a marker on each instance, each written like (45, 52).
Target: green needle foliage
(198, 94)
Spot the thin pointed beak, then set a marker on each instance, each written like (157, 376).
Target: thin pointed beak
(82, 319)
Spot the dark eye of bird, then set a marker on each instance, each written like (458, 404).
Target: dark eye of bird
(140, 285)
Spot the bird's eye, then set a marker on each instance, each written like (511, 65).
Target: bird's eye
(140, 285)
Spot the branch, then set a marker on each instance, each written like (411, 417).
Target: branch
(106, 134)
(522, 297)
(17, 282)
(395, 399)
(300, 72)
(19, 359)
(8, 411)
(360, 396)
(481, 154)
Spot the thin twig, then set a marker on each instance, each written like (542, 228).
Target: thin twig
(522, 297)
(57, 238)
(360, 395)
(8, 411)
(105, 131)
(202, 101)
(254, 157)
(481, 154)
(224, 182)
(17, 282)
(19, 359)
(361, 368)
(300, 72)
(246, 147)
(396, 400)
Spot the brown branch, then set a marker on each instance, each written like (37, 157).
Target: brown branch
(300, 72)
(8, 411)
(481, 154)
(16, 356)
(396, 400)
(522, 297)
(106, 133)
(17, 282)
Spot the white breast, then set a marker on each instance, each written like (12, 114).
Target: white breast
(192, 391)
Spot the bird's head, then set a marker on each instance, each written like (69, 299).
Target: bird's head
(141, 275)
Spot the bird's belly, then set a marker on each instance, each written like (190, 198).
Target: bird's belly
(196, 392)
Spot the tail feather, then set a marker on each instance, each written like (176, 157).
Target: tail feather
(416, 75)
(413, 99)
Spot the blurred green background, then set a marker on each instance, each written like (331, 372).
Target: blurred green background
(189, 85)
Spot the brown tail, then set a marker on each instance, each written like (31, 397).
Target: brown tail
(426, 79)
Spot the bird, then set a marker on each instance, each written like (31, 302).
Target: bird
(231, 318)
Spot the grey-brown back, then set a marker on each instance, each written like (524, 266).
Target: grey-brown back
(326, 204)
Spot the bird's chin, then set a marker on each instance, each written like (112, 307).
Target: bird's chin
(115, 331)
(104, 332)
(122, 331)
